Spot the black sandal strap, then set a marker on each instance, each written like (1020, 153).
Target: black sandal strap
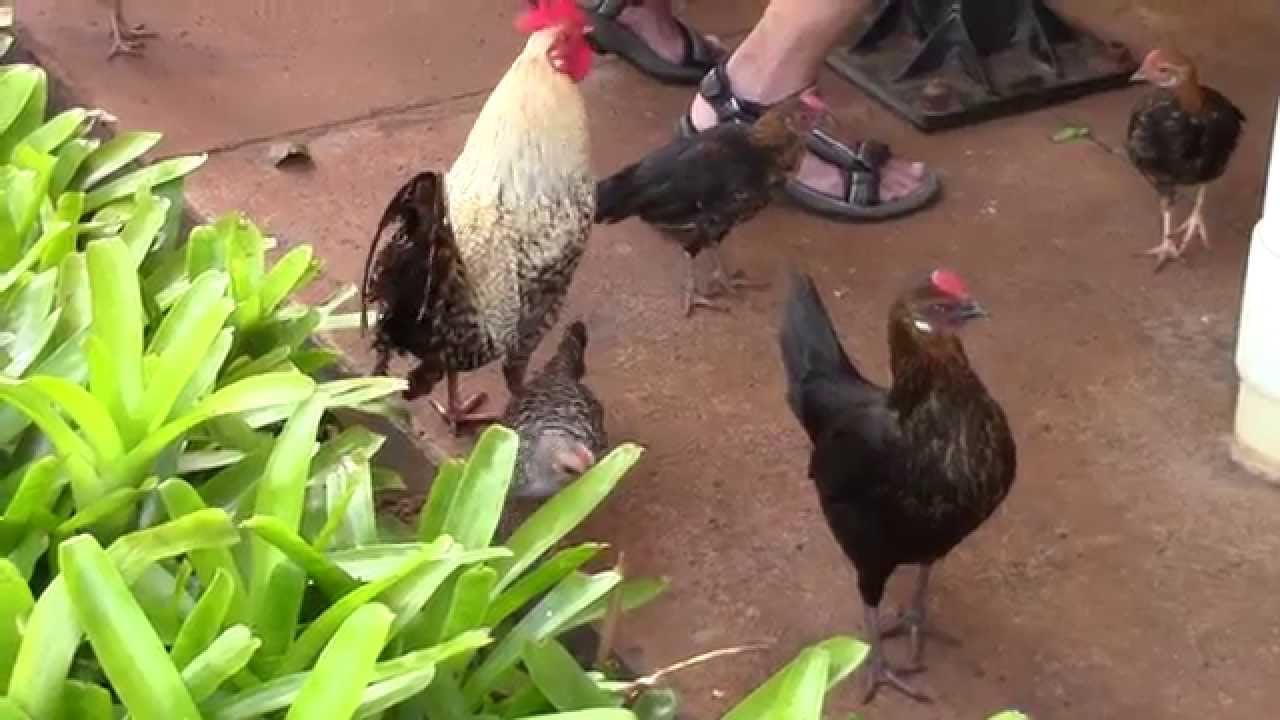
(718, 93)
(610, 9)
(863, 187)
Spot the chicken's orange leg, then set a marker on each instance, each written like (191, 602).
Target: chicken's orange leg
(914, 621)
(460, 412)
(125, 39)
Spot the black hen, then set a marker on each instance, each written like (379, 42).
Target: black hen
(1180, 134)
(559, 419)
(696, 189)
(905, 473)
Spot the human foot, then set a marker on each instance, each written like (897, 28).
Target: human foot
(649, 37)
(665, 35)
(863, 181)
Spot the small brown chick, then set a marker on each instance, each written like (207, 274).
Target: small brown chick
(126, 39)
(1180, 134)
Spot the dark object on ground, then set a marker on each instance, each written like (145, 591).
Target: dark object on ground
(610, 36)
(289, 154)
(695, 190)
(903, 474)
(1180, 134)
(946, 63)
(861, 162)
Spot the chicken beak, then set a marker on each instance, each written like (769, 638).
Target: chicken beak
(1139, 76)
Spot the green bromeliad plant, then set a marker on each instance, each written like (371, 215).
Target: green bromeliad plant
(186, 529)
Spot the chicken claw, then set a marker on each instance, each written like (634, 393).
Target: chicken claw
(915, 622)
(462, 412)
(1166, 251)
(695, 299)
(126, 40)
(1194, 224)
(731, 282)
(879, 672)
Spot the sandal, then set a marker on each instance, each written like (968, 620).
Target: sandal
(607, 35)
(861, 162)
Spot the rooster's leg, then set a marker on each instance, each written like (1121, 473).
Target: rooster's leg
(879, 672)
(730, 282)
(1194, 224)
(125, 39)
(692, 296)
(1168, 248)
(459, 412)
(915, 621)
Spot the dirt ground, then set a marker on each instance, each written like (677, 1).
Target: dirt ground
(1134, 572)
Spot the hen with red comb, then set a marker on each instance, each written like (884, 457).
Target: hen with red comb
(904, 473)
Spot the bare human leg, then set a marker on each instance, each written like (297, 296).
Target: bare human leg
(780, 57)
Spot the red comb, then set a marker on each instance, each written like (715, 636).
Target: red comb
(949, 283)
(551, 13)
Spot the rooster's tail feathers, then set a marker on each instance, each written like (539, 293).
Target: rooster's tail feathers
(422, 197)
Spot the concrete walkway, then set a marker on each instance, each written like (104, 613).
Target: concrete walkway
(1134, 571)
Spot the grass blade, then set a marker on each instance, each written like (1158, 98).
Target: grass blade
(345, 667)
(204, 622)
(227, 655)
(126, 647)
(564, 511)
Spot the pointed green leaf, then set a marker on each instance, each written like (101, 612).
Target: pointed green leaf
(227, 655)
(147, 177)
(334, 688)
(114, 155)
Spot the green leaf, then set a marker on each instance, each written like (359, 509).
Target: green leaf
(280, 693)
(16, 604)
(59, 129)
(539, 581)
(117, 333)
(53, 631)
(277, 615)
(280, 494)
(84, 701)
(227, 655)
(481, 495)
(22, 87)
(318, 633)
(285, 277)
(205, 621)
(333, 581)
(561, 679)
(124, 643)
(345, 667)
(1070, 132)
(147, 177)
(114, 155)
(545, 620)
(803, 682)
(180, 499)
(564, 511)
(140, 232)
(115, 501)
(71, 157)
(90, 415)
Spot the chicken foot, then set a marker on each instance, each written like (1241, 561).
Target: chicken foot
(879, 671)
(1194, 224)
(914, 622)
(693, 297)
(730, 282)
(458, 411)
(125, 39)
(1168, 249)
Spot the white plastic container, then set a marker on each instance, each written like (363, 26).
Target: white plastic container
(1257, 426)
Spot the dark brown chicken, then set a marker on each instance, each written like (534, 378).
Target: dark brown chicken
(1180, 134)
(905, 473)
(696, 189)
(559, 420)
